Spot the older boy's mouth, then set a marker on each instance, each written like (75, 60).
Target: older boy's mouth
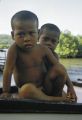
(49, 46)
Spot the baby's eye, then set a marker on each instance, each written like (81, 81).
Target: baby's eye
(32, 33)
(21, 34)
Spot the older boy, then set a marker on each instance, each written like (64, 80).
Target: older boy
(49, 35)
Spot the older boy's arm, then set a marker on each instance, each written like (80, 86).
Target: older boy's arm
(70, 89)
(48, 53)
(59, 69)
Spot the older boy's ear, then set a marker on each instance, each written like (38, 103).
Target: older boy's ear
(12, 34)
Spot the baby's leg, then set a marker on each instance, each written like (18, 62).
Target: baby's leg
(32, 92)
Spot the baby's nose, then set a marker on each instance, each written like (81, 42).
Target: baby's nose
(27, 37)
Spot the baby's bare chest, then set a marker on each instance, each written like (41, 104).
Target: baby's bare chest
(29, 60)
(30, 68)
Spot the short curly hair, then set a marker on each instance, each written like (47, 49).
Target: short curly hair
(49, 26)
(24, 15)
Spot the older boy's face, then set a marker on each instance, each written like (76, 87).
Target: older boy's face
(49, 38)
(25, 34)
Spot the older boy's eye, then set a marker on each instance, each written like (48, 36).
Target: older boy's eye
(46, 39)
(54, 41)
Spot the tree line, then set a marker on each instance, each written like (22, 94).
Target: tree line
(69, 46)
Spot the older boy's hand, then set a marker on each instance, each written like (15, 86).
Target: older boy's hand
(65, 99)
(71, 94)
(68, 99)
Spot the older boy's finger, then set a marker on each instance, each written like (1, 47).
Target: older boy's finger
(73, 96)
(68, 95)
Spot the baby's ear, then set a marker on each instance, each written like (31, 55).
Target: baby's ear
(12, 34)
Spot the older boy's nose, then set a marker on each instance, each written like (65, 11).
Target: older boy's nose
(48, 43)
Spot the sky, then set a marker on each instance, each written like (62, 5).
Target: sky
(66, 14)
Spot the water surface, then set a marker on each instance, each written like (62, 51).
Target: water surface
(74, 68)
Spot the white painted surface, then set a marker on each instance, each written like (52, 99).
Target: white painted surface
(40, 116)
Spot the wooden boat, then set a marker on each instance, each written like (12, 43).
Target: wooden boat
(78, 82)
(37, 106)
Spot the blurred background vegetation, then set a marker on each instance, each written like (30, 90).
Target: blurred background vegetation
(5, 41)
(70, 46)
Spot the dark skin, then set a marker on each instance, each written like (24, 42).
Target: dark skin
(25, 61)
(50, 38)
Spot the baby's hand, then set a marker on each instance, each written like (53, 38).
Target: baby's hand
(5, 96)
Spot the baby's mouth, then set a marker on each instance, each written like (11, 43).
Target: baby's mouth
(28, 46)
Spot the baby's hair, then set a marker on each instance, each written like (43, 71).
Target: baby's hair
(49, 26)
(24, 15)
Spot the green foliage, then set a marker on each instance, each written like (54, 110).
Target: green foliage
(5, 41)
(79, 54)
(68, 45)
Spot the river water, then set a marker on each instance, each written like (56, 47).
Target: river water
(74, 68)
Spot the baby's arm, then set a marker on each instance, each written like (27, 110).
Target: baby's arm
(8, 69)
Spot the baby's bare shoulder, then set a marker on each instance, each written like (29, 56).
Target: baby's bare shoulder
(12, 47)
(12, 50)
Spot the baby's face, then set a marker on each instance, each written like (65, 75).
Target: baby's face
(49, 38)
(25, 34)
